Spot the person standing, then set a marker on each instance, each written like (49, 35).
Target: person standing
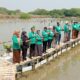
(38, 44)
(79, 30)
(50, 36)
(66, 32)
(45, 39)
(54, 37)
(58, 32)
(25, 44)
(17, 42)
(32, 38)
(75, 30)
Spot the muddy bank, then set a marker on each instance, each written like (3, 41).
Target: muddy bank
(51, 69)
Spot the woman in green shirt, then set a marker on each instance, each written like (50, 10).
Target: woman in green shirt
(75, 30)
(38, 44)
(50, 36)
(17, 42)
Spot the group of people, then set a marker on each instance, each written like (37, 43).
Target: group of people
(38, 42)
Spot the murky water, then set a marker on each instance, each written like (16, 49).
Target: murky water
(7, 27)
(65, 67)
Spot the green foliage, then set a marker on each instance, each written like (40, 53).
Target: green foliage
(57, 13)
(24, 16)
(40, 12)
(9, 12)
(75, 12)
(7, 47)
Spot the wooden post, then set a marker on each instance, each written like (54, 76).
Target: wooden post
(61, 50)
(19, 71)
(33, 65)
(46, 56)
(57, 52)
(66, 47)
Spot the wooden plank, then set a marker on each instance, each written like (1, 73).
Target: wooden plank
(7, 71)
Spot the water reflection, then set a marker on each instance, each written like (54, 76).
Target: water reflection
(67, 71)
(65, 68)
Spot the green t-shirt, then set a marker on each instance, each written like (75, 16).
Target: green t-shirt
(50, 35)
(32, 37)
(58, 29)
(75, 27)
(38, 39)
(45, 35)
(78, 27)
(66, 28)
(16, 44)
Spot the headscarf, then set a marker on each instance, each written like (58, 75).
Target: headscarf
(16, 33)
(24, 36)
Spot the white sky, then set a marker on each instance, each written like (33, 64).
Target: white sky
(29, 5)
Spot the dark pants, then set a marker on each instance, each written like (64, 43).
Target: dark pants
(32, 50)
(24, 52)
(49, 43)
(77, 32)
(69, 35)
(38, 50)
(58, 39)
(44, 46)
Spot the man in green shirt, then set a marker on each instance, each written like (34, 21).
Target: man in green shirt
(38, 44)
(32, 38)
(45, 38)
(66, 32)
(58, 31)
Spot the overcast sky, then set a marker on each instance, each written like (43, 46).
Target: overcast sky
(29, 5)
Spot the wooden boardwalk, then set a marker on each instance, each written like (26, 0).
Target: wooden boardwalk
(8, 68)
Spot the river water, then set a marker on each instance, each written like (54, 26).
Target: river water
(7, 27)
(65, 67)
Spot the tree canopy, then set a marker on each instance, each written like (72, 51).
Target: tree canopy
(57, 13)
(74, 12)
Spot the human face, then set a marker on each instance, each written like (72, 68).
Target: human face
(58, 24)
(33, 29)
(38, 32)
